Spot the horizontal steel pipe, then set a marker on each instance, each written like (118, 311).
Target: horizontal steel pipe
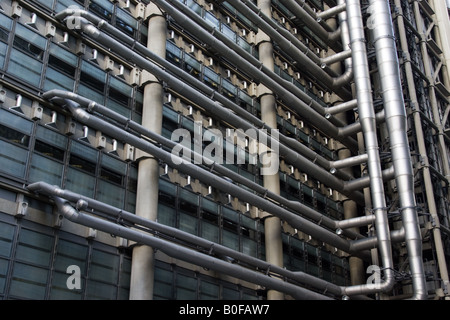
(213, 180)
(190, 239)
(296, 206)
(214, 107)
(185, 254)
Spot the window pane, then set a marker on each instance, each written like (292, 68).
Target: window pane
(59, 289)
(230, 240)
(63, 4)
(12, 159)
(101, 291)
(28, 282)
(6, 237)
(51, 137)
(93, 77)
(210, 232)
(34, 247)
(56, 80)
(111, 194)
(14, 136)
(166, 215)
(43, 169)
(208, 290)
(104, 267)
(188, 223)
(3, 271)
(33, 40)
(114, 164)
(25, 67)
(14, 121)
(80, 182)
(163, 284)
(186, 287)
(70, 253)
(3, 47)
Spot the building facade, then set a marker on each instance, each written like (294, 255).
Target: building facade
(192, 149)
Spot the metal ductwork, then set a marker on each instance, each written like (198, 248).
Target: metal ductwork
(394, 106)
(296, 206)
(212, 106)
(215, 181)
(214, 250)
(339, 234)
(181, 252)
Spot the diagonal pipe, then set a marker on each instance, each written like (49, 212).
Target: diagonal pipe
(220, 169)
(183, 253)
(157, 228)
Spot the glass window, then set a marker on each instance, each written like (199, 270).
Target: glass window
(4, 264)
(6, 238)
(29, 41)
(194, 6)
(5, 26)
(120, 91)
(228, 32)
(61, 69)
(28, 282)
(64, 4)
(186, 287)
(188, 223)
(12, 159)
(51, 137)
(80, 182)
(92, 82)
(163, 283)
(211, 78)
(3, 47)
(25, 67)
(111, 194)
(14, 136)
(34, 247)
(126, 22)
(174, 54)
(166, 215)
(212, 20)
(57, 80)
(208, 290)
(101, 291)
(70, 253)
(44, 169)
(192, 65)
(103, 8)
(104, 266)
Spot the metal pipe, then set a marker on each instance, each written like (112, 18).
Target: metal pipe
(249, 64)
(437, 227)
(211, 247)
(215, 181)
(331, 38)
(214, 107)
(328, 13)
(367, 119)
(387, 61)
(182, 253)
(235, 120)
(296, 206)
(345, 106)
(296, 49)
(348, 162)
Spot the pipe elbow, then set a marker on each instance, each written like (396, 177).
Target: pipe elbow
(77, 112)
(65, 208)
